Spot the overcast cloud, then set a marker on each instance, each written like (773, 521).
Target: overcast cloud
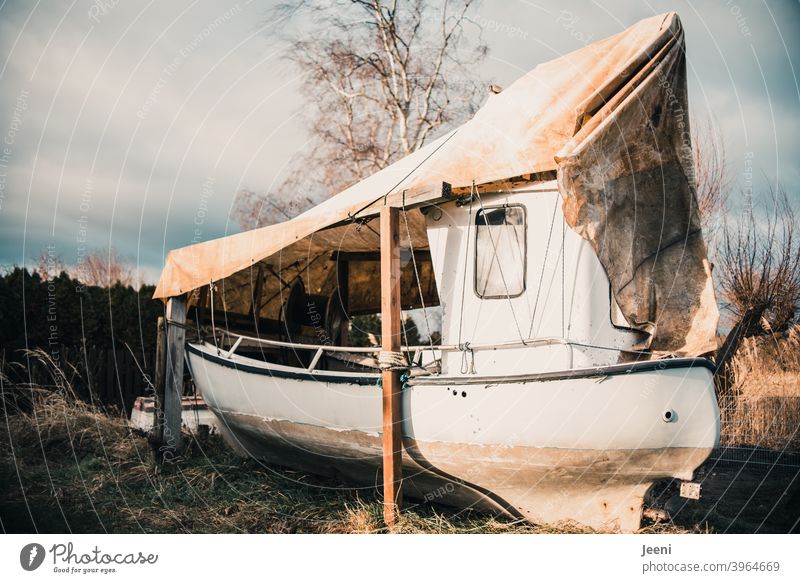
(134, 124)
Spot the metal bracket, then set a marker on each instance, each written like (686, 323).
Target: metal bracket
(690, 490)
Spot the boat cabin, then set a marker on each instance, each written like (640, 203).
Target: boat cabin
(516, 291)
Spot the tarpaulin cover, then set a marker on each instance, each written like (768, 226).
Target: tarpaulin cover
(519, 132)
(627, 179)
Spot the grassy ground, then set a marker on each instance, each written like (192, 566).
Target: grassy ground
(68, 467)
(96, 476)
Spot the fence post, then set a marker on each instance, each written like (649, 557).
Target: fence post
(157, 433)
(173, 377)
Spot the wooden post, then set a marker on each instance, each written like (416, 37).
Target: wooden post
(157, 436)
(391, 342)
(173, 379)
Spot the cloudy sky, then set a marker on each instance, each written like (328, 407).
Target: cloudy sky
(134, 124)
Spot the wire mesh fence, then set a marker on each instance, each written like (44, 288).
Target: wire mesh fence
(757, 456)
(765, 421)
(759, 429)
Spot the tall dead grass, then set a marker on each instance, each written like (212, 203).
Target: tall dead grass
(763, 409)
(68, 466)
(65, 466)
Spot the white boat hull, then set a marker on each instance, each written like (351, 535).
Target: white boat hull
(548, 448)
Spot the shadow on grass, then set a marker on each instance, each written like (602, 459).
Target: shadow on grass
(68, 467)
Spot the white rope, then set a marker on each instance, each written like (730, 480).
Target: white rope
(466, 264)
(416, 276)
(390, 360)
(544, 266)
(467, 367)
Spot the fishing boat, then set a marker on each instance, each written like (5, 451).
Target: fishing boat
(557, 235)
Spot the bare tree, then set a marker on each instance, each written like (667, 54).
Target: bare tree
(49, 264)
(105, 268)
(102, 268)
(759, 274)
(381, 78)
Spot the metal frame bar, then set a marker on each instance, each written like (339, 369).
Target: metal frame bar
(376, 349)
(530, 342)
(314, 361)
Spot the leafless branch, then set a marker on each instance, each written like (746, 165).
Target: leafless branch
(381, 78)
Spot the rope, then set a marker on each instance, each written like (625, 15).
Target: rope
(544, 265)
(466, 263)
(390, 360)
(563, 275)
(467, 367)
(416, 275)
(211, 287)
(393, 188)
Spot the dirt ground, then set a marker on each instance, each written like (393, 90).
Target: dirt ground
(738, 497)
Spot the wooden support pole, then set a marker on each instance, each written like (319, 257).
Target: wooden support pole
(173, 379)
(157, 436)
(391, 342)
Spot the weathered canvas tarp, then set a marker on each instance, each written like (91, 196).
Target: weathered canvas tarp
(627, 180)
(517, 133)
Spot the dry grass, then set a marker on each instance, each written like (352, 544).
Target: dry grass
(769, 366)
(764, 406)
(68, 467)
(761, 421)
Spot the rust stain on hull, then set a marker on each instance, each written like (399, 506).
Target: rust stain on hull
(602, 489)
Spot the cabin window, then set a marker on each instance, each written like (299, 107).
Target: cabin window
(500, 249)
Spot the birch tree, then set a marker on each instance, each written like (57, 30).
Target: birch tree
(380, 79)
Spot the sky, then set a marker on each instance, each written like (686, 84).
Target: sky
(134, 124)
